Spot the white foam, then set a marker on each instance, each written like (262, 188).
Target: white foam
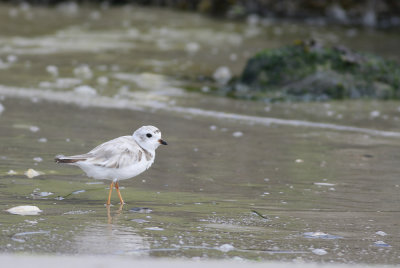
(154, 228)
(222, 75)
(83, 72)
(85, 90)
(140, 105)
(324, 184)
(53, 70)
(192, 47)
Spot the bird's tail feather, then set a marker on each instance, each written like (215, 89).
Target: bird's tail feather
(68, 159)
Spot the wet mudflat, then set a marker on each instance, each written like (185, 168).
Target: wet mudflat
(238, 179)
(311, 189)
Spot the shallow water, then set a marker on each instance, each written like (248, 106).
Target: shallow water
(315, 182)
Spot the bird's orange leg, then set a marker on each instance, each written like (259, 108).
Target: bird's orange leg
(109, 194)
(119, 194)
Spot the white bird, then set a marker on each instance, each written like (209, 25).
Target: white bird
(119, 159)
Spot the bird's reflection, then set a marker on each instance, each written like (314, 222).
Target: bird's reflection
(112, 237)
(113, 219)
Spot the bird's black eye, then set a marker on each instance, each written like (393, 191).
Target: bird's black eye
(149, 135)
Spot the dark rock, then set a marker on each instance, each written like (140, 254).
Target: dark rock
(310, 71)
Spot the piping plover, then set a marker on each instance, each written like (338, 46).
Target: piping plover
(119, 159)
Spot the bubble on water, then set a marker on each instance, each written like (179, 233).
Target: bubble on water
(233, 57)
(1, 108)
(192, 47)
(222, 75)
(237, 134)
(381, 233)
(213, 127)
(139, 220)
(374, 114)
(53, 70)
(381, 244)
(83, 72)
(77, 212)
(85, 90)
(320, 235)
(34, 128)
(299, 161)
(266, 180)
(205, 89)
(44, 194)
(226, 247)
(324, 184)
(102, 80)
(24, 210)
(154, 228)
(78, 191)
(36, 194)
(319, 251)
(140, 210)
(37, 159)
(42, 140)
(19, 237)
(12, 58)
(31, 173)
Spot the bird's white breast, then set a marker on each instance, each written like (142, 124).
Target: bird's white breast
(106, 173)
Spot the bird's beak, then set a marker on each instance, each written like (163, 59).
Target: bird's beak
(162, 142)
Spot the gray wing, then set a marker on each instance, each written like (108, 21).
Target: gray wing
(117, 153)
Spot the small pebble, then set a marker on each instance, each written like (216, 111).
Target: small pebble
(37, 159)
(381, 244)
(319, 251)
(11, 172)
(31, 173)
(24, 210)
(381, 233)
(226, 247)
(34, 128)
(53, 70)
(237, 134)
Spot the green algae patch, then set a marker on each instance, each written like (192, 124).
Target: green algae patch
(308, 71)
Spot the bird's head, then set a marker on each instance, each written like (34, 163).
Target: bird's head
(148, 137)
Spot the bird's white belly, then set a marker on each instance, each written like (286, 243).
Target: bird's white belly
(104, 173)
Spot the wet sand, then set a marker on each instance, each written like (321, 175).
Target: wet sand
(122, 262)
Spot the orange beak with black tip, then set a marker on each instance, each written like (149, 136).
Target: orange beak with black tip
(162, 142)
